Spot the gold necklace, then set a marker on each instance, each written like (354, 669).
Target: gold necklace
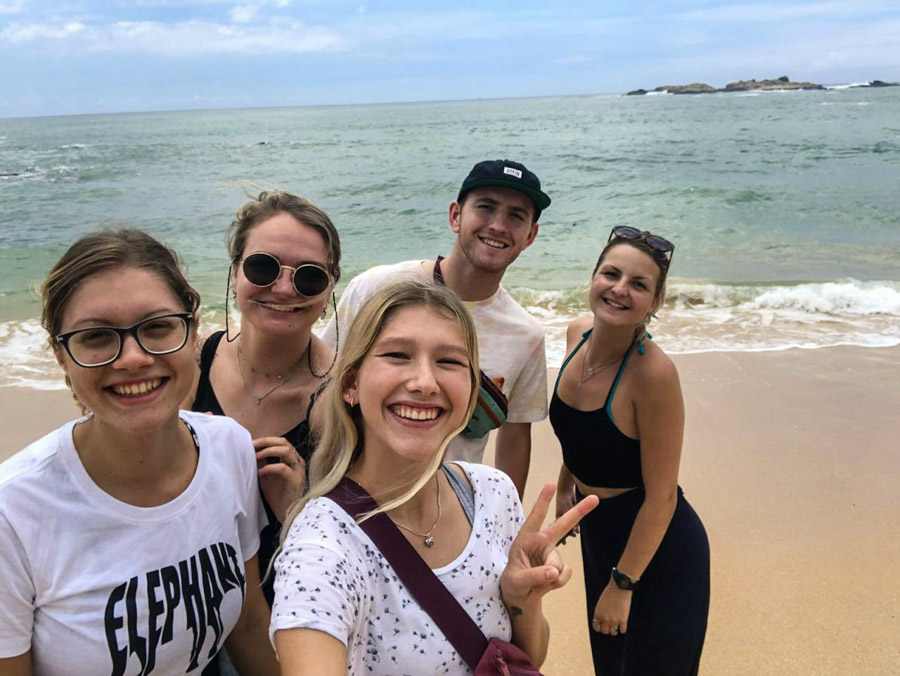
(596, 368)
(428, 538)
(282, 380)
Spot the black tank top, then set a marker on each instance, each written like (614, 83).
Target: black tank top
(205, 401)
(594, 450)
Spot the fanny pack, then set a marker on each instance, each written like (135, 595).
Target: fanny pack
(492, 406)
(486, 657)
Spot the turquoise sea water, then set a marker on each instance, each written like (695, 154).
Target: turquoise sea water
(784, 207)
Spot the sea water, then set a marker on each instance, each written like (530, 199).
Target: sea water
(784, 207)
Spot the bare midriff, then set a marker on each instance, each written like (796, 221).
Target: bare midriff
(600, 492)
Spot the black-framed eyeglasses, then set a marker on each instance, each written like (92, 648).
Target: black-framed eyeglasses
(655, 242)
(101, 345)
(263, 269)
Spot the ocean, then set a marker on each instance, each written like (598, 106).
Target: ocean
(784, 206)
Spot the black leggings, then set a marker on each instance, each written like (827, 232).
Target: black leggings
(669, 607)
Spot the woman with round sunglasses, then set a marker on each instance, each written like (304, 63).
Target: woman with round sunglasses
(618, 412)
(128, 537)
(285, 260)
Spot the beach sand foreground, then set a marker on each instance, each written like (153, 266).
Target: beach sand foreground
(792, 460)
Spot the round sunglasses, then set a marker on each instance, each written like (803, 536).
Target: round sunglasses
(263, 269)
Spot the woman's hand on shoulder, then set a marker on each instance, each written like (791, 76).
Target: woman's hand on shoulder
(282, 473)
(535, 567)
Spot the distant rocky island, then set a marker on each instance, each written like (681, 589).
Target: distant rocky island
(779, 84)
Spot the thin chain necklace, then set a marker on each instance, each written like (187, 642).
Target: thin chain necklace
(282, 380)
(428, 538)
(596, 368)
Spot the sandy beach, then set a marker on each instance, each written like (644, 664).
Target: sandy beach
(792, 461)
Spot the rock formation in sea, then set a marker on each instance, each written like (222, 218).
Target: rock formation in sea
(779, 84)
(876, 83)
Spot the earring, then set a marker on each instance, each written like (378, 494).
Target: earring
(350, 399)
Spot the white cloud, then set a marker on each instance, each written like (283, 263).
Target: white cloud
(17, 34)
(572, 59)
(11, 6)
(243, 13)
(770, 12)
(181, 39)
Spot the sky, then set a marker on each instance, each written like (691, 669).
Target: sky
(82, 56)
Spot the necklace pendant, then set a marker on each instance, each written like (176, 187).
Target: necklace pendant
(578, 385)
(256, 400)
(429, 541)
(591, 371)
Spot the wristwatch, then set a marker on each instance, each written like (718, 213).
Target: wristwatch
(623, 581)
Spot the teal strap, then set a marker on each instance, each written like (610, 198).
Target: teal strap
(584, 337)
(612, 390)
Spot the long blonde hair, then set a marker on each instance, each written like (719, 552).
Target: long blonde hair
(341, 442)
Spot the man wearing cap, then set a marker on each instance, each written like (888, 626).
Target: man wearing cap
(495, 217)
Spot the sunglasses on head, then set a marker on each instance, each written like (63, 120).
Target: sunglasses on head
(264, 269)
(655, 242)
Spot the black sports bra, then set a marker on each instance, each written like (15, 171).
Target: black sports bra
(594, 450)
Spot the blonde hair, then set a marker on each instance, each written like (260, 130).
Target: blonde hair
(341, 442)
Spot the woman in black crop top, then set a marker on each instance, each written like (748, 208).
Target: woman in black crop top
(618, 412)
(285, 260)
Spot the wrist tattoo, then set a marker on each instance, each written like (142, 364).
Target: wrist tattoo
(515, 611)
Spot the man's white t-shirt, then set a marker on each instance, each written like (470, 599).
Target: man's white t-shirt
(92, 585)
(510, 346)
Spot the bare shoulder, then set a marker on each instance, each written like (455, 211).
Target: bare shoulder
(656, 368)
(577, 328)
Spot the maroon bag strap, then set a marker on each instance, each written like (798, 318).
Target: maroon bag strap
(438, 275)
(425, 587)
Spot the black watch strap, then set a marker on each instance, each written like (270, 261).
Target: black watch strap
(623, 581)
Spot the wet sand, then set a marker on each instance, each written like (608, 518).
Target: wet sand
(792, 460)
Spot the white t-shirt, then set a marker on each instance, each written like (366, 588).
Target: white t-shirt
(331, 577)
(510, 346)
(92, 585)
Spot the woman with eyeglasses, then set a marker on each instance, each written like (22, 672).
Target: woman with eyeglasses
(285, 260)
(618, 412)
(128, 537)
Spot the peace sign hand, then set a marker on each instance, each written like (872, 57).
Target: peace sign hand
(535, 567)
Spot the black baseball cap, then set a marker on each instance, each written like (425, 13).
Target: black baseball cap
(507, 174)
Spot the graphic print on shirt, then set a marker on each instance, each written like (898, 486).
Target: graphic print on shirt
(143, 612)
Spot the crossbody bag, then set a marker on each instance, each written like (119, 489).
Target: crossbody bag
(486, 657)
(492, 406)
